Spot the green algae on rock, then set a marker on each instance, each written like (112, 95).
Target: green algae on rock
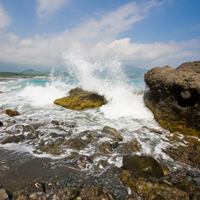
(80, 99)
(174, 97)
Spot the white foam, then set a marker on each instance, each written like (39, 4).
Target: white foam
(107, 78)
(39, 95)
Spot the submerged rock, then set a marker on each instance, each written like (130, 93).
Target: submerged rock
(113, 132)
(13, 139)
(174, 97)
(10, 112)
(143, 165)
(80, 99)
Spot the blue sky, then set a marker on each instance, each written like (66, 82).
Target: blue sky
(142, 33)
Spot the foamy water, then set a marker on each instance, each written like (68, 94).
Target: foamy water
(125, 110)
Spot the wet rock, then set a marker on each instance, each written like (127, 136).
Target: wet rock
(70, 124)
(91, 192)
(96, 193)
(1, 124)
(144, 164)
(174, 97)
(107, 147)
(147, 190)
(50, 147)
(60, 129)
(130, 147)
(37, 125)
(27, 128)
(1, 92)
(80, 99)
(82, 162)
(21, 195)
(102, 164)
(10, 112)
(54, 122)
(13, 139)
(3, 195)
(67, 193)
(113, 132)
(75, 143)
(32, 135)
(188, 154)
(55, 135)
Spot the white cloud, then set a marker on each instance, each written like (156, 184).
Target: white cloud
(48, 7)
(98, 39)
(4, 18)
(149, 55)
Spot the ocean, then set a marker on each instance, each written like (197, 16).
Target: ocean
(125, 112)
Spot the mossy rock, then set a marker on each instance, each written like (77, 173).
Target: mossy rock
(79, 99)
(10, 112)
(144, 165)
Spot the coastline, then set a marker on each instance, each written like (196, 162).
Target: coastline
(2, 79)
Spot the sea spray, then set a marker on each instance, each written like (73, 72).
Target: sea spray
(107, 78)
(125, 111)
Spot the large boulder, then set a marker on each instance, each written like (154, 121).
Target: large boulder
(173, 95)
(80, 99)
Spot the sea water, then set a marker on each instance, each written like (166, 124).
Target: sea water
(125, 110)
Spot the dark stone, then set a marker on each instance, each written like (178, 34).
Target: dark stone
(173, 95)
(54, 122)
(75, 143)
(15, 139)
(113, 132)
(145, 164)
(27, 128)
(106, 148)
(1, 124)
(32, 135)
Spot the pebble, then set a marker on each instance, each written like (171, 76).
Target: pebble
(3, 195)
(1, 124)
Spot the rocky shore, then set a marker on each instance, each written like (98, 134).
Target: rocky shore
(99, 164)
(79, 176)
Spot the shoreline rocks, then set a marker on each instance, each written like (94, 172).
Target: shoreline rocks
(144, 165)
(173, 95)
(80, 99)
(11, 113)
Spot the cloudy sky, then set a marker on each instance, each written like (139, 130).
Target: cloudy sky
(142, 33)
